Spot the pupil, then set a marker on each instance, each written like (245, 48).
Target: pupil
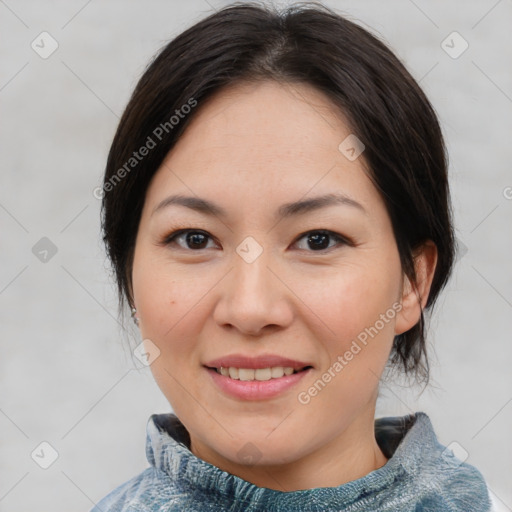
(319, 236)
(196, 240)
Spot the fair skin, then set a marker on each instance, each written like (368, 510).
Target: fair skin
(250, 150)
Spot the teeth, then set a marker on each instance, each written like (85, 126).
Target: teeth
(262, 374)
(245, 374)
(276, 372)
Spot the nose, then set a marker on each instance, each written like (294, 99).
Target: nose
(253, 298)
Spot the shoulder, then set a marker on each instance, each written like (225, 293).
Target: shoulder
(152, 490)
(435, 477)
(452, 485)
(464, 491)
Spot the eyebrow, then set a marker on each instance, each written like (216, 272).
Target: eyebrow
(286, 210)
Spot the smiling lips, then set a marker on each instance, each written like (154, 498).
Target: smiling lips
(256, 378)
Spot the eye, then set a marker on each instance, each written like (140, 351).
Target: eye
(319, 240)
(193, 239)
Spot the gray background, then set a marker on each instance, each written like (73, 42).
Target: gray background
(67, 373)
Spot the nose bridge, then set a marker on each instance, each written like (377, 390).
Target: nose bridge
(251, 273)
(252, 297)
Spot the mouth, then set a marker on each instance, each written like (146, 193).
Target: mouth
(256, 378)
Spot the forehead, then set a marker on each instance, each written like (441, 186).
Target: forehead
(254, 116)
(260, 141)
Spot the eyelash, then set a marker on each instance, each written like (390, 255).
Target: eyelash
(170, 238)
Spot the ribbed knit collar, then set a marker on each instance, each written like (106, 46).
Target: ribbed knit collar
(408, 442)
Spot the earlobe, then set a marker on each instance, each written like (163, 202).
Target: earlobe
(135, 318)
(415, 295)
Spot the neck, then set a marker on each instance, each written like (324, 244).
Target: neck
(357, 454)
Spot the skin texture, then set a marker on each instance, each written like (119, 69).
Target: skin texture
(250, 149)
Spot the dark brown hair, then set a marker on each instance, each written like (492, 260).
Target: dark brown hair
(305, 43)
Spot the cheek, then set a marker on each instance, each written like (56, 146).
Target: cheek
(359, 309)
(169, 310)
(167, 315)
(171, 305)
(156, 290)
(156, 296)
(352, 299)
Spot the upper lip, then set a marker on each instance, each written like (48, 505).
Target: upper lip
(262, 361)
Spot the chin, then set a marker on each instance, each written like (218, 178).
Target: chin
(259, 451)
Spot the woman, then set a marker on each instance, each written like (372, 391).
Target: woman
(276, 209)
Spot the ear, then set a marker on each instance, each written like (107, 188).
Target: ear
(415, 295)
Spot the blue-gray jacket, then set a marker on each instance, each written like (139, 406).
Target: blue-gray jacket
(421, 475)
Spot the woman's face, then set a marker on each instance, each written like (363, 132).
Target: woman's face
(254, 285)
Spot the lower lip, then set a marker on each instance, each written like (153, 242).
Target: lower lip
(256, 389)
